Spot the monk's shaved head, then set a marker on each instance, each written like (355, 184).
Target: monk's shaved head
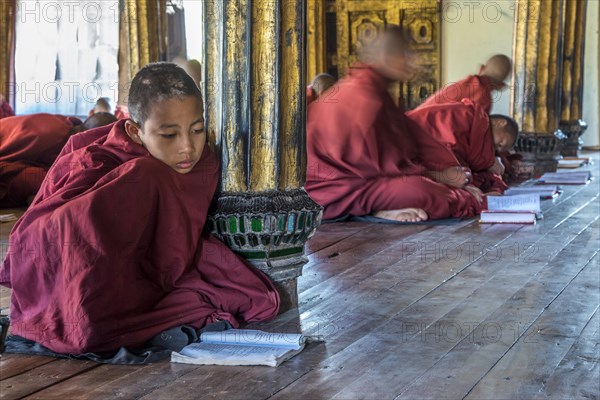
(498, 67)
(102, 105)
(156, 83)
(321, 83)
(390, 40)
(390, 54)
(99, 119)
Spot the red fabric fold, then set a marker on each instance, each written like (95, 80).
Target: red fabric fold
(477, 88)
(29, 145)
(113, 251)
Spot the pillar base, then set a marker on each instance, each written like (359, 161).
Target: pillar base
(269, 229)
(540, 152)
(573, 130)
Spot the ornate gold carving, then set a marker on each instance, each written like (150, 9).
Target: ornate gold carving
(358, 21)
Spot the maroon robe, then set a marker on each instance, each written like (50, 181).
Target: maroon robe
(463, 127)
(477, 88)
(362, 159)
(29, 145)
(114, 251)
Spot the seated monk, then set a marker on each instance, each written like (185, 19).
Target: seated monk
(477, 88)
(29, 144)
(318, 86)
(363, 160)
(472, 135)
(5, 108)
(115, 243)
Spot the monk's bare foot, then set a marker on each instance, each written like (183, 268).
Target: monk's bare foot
(403, 215)
(493, 194)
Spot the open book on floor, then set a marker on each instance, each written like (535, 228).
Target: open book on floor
(567, 177)
(544, 191)
(517, 209)
(241, 347)
(573, 162)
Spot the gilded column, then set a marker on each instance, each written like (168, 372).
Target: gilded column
(255, 107)
(572, 88)
(316, 45)
(8, 12)
(142, 38)
(538, 81)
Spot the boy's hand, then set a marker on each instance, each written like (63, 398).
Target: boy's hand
(498, 168)
(456, 177)
(476, 192)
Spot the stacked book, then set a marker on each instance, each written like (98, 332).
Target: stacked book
(517, 209)
(567, 178)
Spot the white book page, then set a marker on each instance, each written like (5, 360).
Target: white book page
(231, 354)
(254, 338)
(519, 202)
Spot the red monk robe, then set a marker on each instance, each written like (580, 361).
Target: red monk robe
(29, 145)
(477, 88)
(114, 251)
(463, 127)
(361, 158)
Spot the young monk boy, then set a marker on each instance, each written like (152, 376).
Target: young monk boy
(472, 135)
(318, 86)
(113, 251)
(478, 88)
(29, 144)
(361, 157)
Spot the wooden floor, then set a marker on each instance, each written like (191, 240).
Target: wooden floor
(408, 312)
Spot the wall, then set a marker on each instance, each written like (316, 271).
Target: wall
(591, 97)
(472, 31)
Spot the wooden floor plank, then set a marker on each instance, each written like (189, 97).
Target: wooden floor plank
(521, 372)
(15, 364)
(299, 389)
(329, 234)
(578, 374)
(325, 263)
(435, 339)
(488, 341)
(41, 377)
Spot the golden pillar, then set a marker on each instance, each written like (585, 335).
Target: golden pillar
(142, 38)
(537, 81)
(8, 12)
(316, 41)
(572, 88)
(255, 117)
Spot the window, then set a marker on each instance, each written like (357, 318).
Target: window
(66, 55)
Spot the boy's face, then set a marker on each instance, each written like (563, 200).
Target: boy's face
(173, 133)
(503, 140)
